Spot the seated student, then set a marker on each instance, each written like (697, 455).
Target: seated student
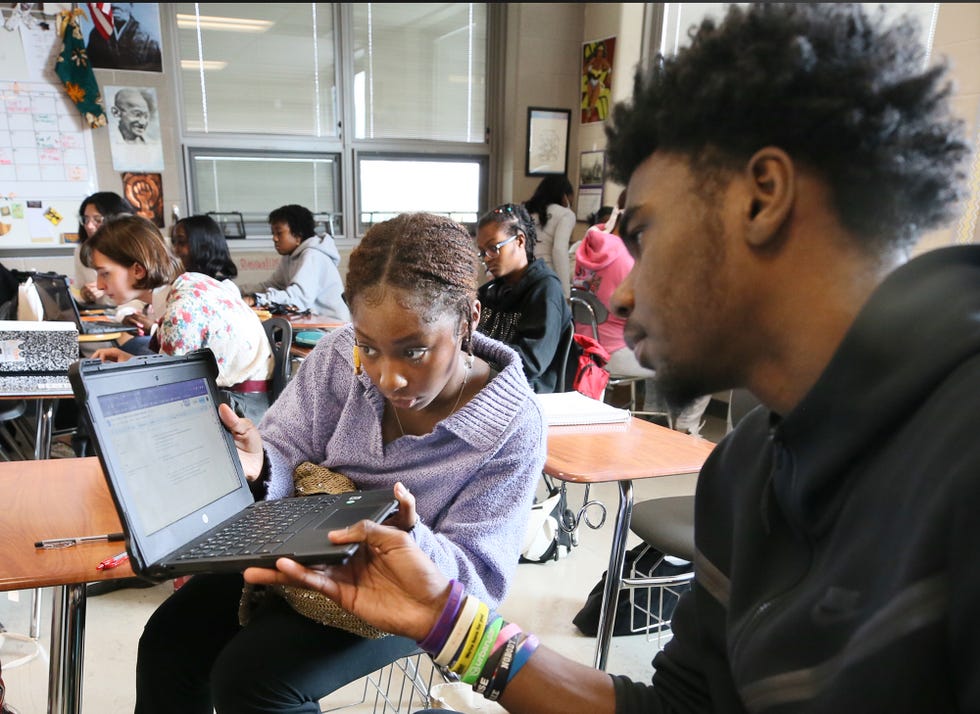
(92, 213)
(554, 220)
(601, 263)
(201, 247)
(524, 304)
(405, 398)
(132, 260)
(307, 275)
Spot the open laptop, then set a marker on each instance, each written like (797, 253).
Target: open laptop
(176, 479)
(59, 304)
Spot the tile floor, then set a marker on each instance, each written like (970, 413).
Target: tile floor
(544, 600)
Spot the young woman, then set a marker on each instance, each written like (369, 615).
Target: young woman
(523, 305)
(131, 260)
(554, 219)
(407, 397)
(94, 211)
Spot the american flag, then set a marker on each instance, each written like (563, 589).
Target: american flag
(102, 17)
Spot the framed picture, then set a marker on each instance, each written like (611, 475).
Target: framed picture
(591, 168)
(589, 201)
(547, 141)
(597, 70)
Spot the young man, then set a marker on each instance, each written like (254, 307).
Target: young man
(780, 170)
(307, 276)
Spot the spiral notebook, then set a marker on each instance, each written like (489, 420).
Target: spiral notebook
(178, 484)
(576, 409)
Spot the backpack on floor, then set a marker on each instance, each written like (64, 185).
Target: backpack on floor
(545, 540)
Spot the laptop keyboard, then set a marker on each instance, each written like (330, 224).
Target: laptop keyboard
(97, 328)
(261, 531)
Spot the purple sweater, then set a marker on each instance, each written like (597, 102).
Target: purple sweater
(473, 477)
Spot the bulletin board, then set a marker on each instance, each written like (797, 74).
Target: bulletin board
(47, 164)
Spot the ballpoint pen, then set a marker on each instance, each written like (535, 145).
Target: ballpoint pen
(66, 542)
(113, 562)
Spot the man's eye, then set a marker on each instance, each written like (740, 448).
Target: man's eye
(415, 353)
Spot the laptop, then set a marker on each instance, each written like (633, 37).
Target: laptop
(176, 480)
(60, 304)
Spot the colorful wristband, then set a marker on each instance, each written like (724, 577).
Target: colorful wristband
(522, 655)
(462, 626)
(436, 639)
(506, 632)
(499, 678)
(472, 640)
(472, 671)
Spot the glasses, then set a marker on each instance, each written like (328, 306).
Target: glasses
(495, 249)
(94, 220)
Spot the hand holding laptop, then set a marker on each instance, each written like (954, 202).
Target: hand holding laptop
(248, 441)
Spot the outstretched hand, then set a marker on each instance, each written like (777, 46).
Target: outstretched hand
(248, 441)
(389, 582)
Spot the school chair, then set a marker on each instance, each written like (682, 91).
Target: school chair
(280, 334)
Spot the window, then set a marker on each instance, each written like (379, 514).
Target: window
(411, 82)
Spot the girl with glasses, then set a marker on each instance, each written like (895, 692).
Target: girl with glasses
(524, 304)
(94, 211)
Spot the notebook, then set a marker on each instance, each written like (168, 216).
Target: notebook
(35, 356)
(176, 480)
(575, 409)
(59, 304)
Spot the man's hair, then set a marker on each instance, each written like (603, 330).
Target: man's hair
(131, 240)
(844, 94)
(513, 218)
(298, 218)
(208, 248)
(146, 94)
(431, 259)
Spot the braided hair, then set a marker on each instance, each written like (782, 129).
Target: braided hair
(431, 259)
(514, 219)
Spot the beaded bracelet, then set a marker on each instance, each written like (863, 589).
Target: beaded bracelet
(437, 637)
(455, 640)
(474, 636)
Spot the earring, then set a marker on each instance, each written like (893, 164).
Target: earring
(357, 361)
(468, 361)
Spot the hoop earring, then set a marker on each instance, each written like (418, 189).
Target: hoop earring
(357, 360)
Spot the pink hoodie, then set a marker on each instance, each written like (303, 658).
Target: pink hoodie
(601, 264)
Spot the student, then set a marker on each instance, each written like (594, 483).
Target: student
(200, 246)
(554, 220)
(92, 213)
(602, 262)
(307, 276)
(408, 397)
(523, 304)
(780, 170)
(132, 260)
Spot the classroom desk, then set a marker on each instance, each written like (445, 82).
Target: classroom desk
(621, 453)
(43, 400)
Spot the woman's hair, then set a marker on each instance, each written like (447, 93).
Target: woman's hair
(109, 204)
(846, 94)
(552, 189)
(431, 259)
(208, 248)
(298, 218)
(514, 219)
(131, 240)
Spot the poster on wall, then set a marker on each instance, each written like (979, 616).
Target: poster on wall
(145, 193)
(597, 68)
(134, 129)
(123, 35)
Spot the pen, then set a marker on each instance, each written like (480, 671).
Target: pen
(113, 562)
(65, 542)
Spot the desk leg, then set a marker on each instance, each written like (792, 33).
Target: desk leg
(45, 429)
(67, 649)
(614, 574)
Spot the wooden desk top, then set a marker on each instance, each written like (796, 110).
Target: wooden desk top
(101, 337)
(55, 498)
(616, 452)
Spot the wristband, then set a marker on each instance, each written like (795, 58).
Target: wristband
(522, 655)
(482, 682)
(462, 626)
(472, 640)
(506, 633)
(499, 678)
(479, 659)
(437, 636)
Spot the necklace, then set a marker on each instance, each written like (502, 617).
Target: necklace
(468, 365)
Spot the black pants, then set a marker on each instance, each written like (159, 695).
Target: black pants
(194, 656)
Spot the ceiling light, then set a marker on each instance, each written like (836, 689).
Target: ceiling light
(227, 24)
(206, 65)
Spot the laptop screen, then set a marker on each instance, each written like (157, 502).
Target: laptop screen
(56, 298)
(163, 440)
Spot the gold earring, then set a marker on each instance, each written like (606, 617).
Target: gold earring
(357, 360)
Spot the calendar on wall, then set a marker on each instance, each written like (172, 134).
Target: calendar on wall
(46, 155)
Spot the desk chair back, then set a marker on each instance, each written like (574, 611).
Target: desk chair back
(280, 334)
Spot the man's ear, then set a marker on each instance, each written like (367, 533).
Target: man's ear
(771, 177)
